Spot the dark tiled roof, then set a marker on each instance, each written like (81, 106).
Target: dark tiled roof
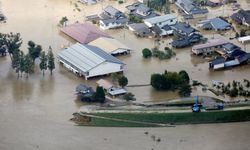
(240, 15)
(183, 27)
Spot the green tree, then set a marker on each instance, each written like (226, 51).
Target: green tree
(28, 65)
(12, 42)
(43, 62)
(242, 32)
(123, 81)
(99, 95)
(185, 90)
(22, 63)
(15, 58)
(146, 53)
(157, 81)
(51, 60)
(34, 50)
(184, 76)
(63, 21)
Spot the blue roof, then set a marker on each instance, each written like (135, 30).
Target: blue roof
(219, 24)
(218, 60)
(103, 54)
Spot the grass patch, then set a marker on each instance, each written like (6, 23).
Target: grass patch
(170, 118)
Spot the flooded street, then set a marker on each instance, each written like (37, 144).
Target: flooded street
(34, 112)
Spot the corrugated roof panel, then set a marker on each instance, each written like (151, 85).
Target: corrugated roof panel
(86, 57)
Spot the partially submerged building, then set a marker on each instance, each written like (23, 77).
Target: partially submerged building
(242, 17)
(190, 8)
(110, 88)
(209, 47)
(232, 55)
(112, 18)
(185, 35)
(214, 3)
(160, 25)
(89, 61)
(83, 33)
(217, 24)
(140, 30)
(111, 46)
(140, 10)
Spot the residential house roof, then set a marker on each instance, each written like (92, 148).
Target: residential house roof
(140, 28)
(108, 45)
(230, 47)
(218, 60)
(158, 19)
(183, 28)
(211, 43)
(105, 84)
(242, 15)
(143, 8)
(86, 57)
(216, 23)
(115, 20)
(189, 7)
(112, 12)
(83, 33)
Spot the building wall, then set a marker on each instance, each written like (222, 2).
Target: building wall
(110, 25)
(105, 68)
(162, 23)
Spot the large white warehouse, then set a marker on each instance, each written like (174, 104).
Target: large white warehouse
(89, 61)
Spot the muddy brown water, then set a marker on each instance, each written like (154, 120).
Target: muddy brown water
(34, 112)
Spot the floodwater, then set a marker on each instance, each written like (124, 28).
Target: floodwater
(34, 112)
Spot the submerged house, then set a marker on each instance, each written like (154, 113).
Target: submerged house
(185, 35)
(140, 10)
(160, 25)
(110, 88)
(89, 61)
(209, 47)
(190, 8)
(112, 18)
(214, 3)
(111, 46)
(216, 24)
(242, 17)
(232, 56)
(140, 30)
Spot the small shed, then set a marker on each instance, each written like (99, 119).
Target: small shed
(110, 88)
(244, 39)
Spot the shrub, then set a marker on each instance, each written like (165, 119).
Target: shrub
(146, 53)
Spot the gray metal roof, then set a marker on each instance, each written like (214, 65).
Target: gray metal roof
(216, 23)
(114, 20)
(143, 8)
(86, 57)
(158, 19)
(190, 7)
(113, 12)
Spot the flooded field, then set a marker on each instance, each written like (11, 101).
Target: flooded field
(34, 112)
